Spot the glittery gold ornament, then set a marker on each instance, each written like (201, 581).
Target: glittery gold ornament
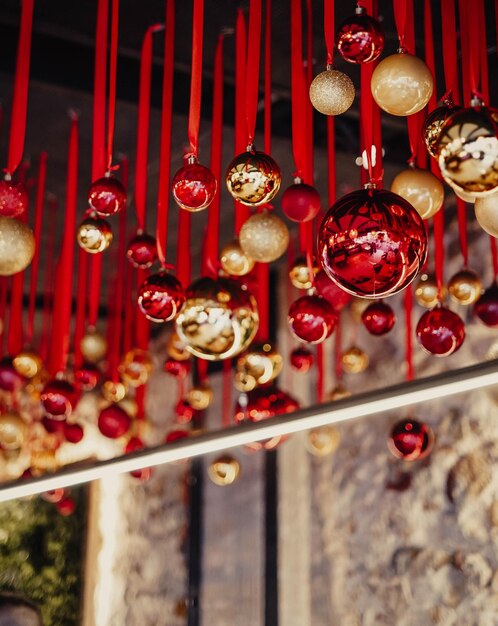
(176, 349)
(421, 189)
(224, 470)
(402, 84)
(28, 364)
(264, 237)
(12, 431)
(253, 178)
(17, 246)
(219, 319)
(136, 367)
(354, 360)
(332, 92)
(199, 397)
(339, 392)
(93, 346)
(299, 274)
(465, 287)
(234, 260)
(433, 124)
(114, 391)
(323, 441)
(94, 234)
(426, 291)
(258, 366)
(487, 214)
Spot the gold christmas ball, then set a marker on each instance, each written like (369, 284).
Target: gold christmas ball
(433, 124)
(176, 349)
(253, 178)
(114, 391)
(200, 397)
(487, 214)
(264, 237)
(332, 92)
(465, 287)
(244, 381)
(17, 246)
(219, 319)
(44, 461)
(93, 346)
(426, 292)
(421, 189)
(339, 392)
(466, 197)
(136, 367)
(468, 151)
(13, 431)
(234, 260)
(354, 360)
(224, 470)
(323, 441)
(28, 364)
(402, 84)
(258, 366)
(299, 274)
(94, 234)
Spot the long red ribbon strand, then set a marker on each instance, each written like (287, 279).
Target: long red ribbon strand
(408, 306)
(194, 116)
(449, 38)
(113, 65)
(240, 134)
(48, 281)
(226, 415)
(253, 62)
(268, 77)
(329, 29)
(400, 17)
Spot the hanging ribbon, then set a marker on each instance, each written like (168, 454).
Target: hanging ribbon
(240, 132)
(48, 281)
(320, 374)
(142, 336)
(298, 88)
(194, 115)
(494, 256)
(483, 51)
(20, 93)
(408, 306)
(183, 259)
(438, 222)
(226, 414)
(253, 61)
(338, 351)
(462, 229)
(113, 65)
(329, 28)
(449, 38)
(400, 17)
(263, 278)
(268, 88)
(331, 176)
(81, 307)
(4, 285)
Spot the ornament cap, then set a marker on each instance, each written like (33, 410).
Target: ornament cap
(476, 101)
(191, 159)
(359, 10)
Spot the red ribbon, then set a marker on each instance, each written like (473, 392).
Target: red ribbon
(20, 94)
(338, 350)
(462, 229)
(494, 256)
(183, 259)
(4, 286)
(483, 50)
(331, 176)
(268, 89)
(48, 282)
(400, 17)
(81, 307)
(408, 306)
(241, 211)
(15, 334)
(194, 115)
(298, 90)
(226, 415)
(320, 371)
(113, 63)
(263, 278)
(253, 61)
(329, 29)
(438, 222)
(449, 38)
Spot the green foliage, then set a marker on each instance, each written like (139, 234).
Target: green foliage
(41, 556)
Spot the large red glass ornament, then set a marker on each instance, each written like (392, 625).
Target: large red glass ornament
(194, 186)
(410, 440)
(10, 379)
(301, 202)
(59, 398)
(107, 196)
(486, 308)
(73, 433)
(440, 332)
(360, 38)
(87, 377)
(142, 251)
(114, 422)
(301, 359)
(14, 198)
(335, 295)
(53, 427)
(66, 506)
(378, 318)
(372, 243)
(160, 297)
(311, 319)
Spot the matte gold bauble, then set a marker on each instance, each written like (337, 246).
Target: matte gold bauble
(224, 470)
(28, 364)
(17, 246)
(258, 366)
(426, 291)
(354, 360)
(339, 392)
(402, 84)
(299, 274)
(93, 346)
(487, 214)
(114, 391)
(332, 92)
(200, 397)
(219, 319)
(421, 189)
(94, 234)
(176, 349)
(264, 237)
(12, 431)
(234, 260)
(323, 441)
(253, 178)
(465, 287)
(136, 367)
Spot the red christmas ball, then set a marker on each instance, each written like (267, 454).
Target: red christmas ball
(160, 297)
(59, 398)
(53, 496)
(53, 427)
(410, 440)
(10, 379)
(440, 332)
(311, 319)
(177, 369)
(301, 202)
(142, 251)
(107, 196)
(87, 377)
(194, 187)
(378, 318)
(66, 506)
(73, 433)
(185, 412)
(360, 38)
(372, 243)
(334, 295)
(486, 308)
(114, 422)
(301, 359)
(14, 198)
(176, 435)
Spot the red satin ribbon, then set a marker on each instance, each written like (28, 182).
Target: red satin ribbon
(268, 89)
(194, 115)
(462, 229)
(263, 278)
(408, 306)
(331, 176)
(253, 61)
(338, 350)
(438, 222)
(320, 371)
(183, 258)
(15, 333)
(469, 19)
(483, 51)
(329, 28)
(400, 17)
(494, 256)
(81, 307)
(130, 309)
(48, 281)
(226, 415)
(298, 88)
(4, 285)
(449, 38)
(20, 94)
(241, 211)
(113, 63)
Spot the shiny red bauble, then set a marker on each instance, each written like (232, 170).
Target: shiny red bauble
(160, 297)
(194, 187)
(107, 196)
(114, 422)
(73, 433)
(311, 319)
(301, 202)
(66, 506)
(87, 377)
(185, 412)
(14, 198)
(410, 440)
(486, 308)
(59, 398)
(378, 318)
(334, 295)
(53, 427)
(360, 38)
(440, 332)
(53, 496)
(142, 251)
(372, 243)
(177, 369)
(10, 379)
(301, 359)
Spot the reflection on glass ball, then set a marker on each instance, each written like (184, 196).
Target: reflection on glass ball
(301, 202)
(13, 430)
(253, 178)
(200, 397)
(486, 308)
(142, 251)
(59, 398)
(114, 390)
(301, 359)
(160, 297)
(14, 198)
(234, 260)
(378, 318)
(354, 360)
(224, 470)
(194, 187)
(261, 364)
(360, 38)
(323, 441)
(107, 196)
(427, 293)
(300, 275)
(421, 189)
(94, 234)
(136, 367)
(410, 440)
(433, 124)
(114, 422)
(487, 214)
(93, 346)
(440, 332)
(17, 246)
(311, 319)
(465, 287)
(27, 363)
